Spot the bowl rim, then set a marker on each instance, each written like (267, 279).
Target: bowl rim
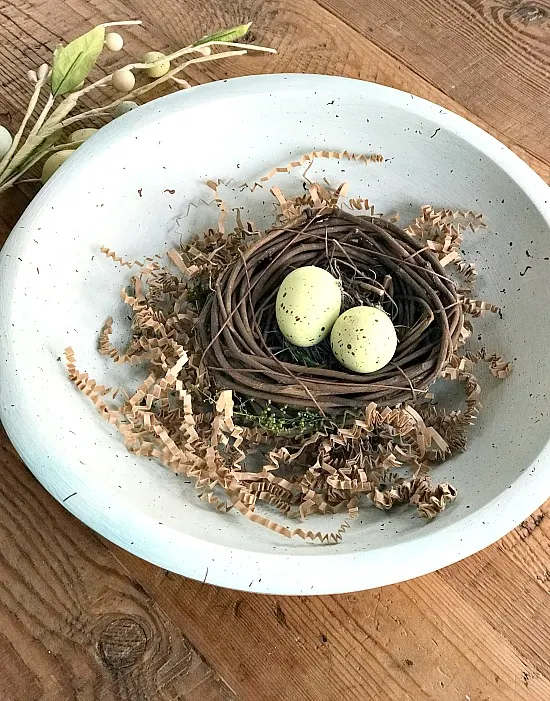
(328, 572)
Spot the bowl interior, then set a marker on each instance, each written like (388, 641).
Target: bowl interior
(139, 186)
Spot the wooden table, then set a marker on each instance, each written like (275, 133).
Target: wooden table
(81, 619)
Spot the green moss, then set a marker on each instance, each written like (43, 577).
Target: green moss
(281, 420)
(198, 290)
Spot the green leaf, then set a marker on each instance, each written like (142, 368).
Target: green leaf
(232, 34)
(30, 153)
(72, 63)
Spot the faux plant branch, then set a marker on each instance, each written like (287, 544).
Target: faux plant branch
(46, 140)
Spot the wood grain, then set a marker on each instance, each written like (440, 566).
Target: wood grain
(310, 39)
(307, 37)
(477, 629)
(491, 56)
(73, 624)
(81, 619)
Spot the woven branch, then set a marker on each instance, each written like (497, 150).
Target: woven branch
(238, 330)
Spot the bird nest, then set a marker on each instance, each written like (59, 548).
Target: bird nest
(378, 264)
(224, 385)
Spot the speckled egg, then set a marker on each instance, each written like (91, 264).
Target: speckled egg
(308, 303)
(363, 339)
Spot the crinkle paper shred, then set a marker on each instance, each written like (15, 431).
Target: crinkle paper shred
(227, 404)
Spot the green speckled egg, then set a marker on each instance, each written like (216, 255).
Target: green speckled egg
(363, 339)
(308, 303)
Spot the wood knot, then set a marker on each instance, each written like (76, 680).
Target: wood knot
(122, 643)
(530, 13)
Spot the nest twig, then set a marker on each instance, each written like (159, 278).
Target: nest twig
(311, 463)
(238, 331)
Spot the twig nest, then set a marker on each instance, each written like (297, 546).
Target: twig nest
(158, 70)
(5, 141)
(308, 303)
(245, 351)
(54, 162)
(123, 80)
(363, 339)
(113, 41)
(124, 107)
(82, 134)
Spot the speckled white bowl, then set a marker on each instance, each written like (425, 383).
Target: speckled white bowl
(57, 290)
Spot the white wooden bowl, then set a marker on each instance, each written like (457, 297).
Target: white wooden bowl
(57, 290)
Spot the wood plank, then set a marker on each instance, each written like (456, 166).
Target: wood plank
(492, 57)
(311, 40)
(433, 639)
(529, 546)
(425, 639)
(12, 206)
(521, 601)
(73, 624)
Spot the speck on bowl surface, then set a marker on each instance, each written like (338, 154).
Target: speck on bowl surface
(132, 187)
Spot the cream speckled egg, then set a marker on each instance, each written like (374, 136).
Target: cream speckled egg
(124, 107)
(160, 69)
(363, 339)
(54, 162)
(308, 303)
(82, 134)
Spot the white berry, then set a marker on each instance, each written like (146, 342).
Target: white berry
(123, 107)
(160, 69)
(123, 80)
(113, 41)
(42, 71)
(204, 50)
(52, 163)
(5, 141)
